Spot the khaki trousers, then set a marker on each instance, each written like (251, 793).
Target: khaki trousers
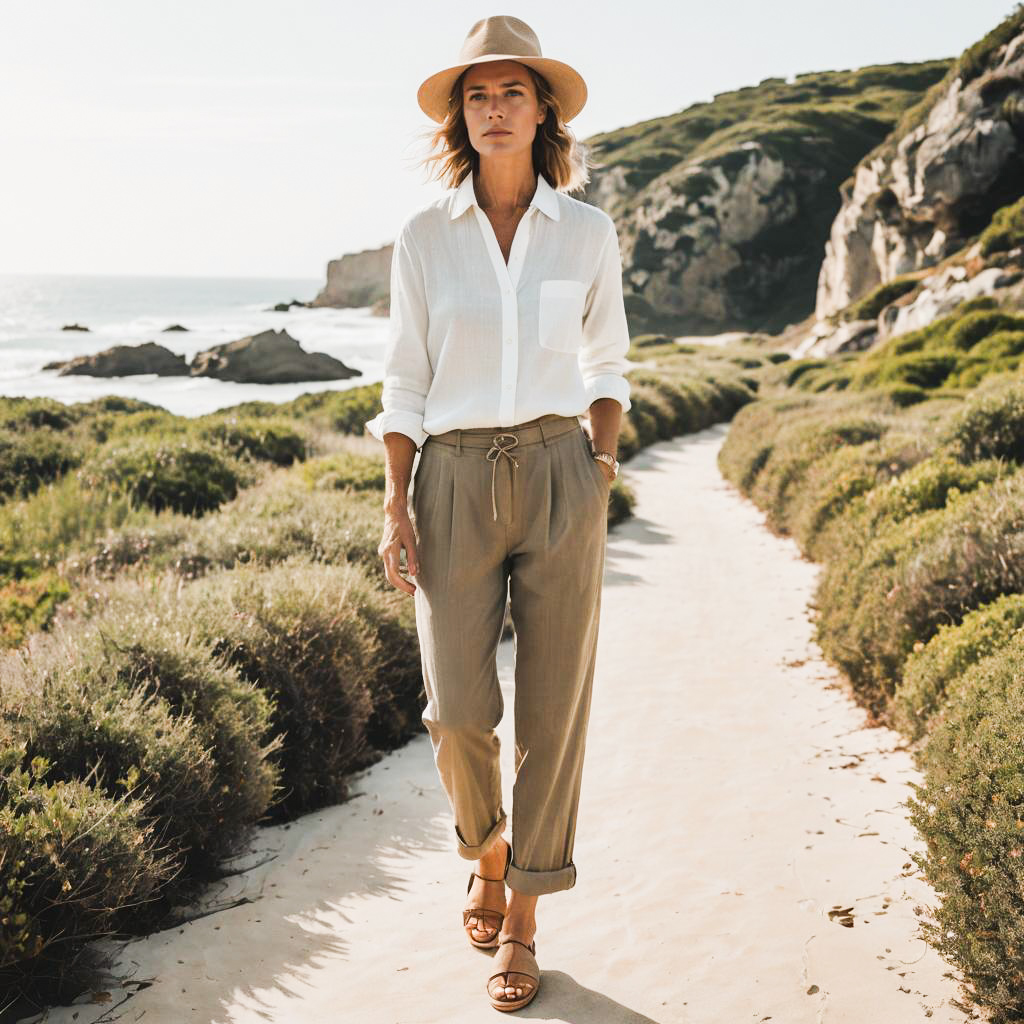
(517, 513)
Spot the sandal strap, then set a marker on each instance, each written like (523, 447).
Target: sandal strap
(532, 949)
(481, 913)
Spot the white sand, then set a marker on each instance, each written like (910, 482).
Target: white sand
(732, 798)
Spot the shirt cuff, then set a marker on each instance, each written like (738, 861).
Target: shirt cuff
(408, 423)
(609, 385)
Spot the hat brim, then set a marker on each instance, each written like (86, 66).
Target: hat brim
(565, 81)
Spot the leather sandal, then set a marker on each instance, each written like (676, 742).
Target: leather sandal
(482, 914)
(527, 967)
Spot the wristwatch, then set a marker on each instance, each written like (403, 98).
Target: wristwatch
(606, 457)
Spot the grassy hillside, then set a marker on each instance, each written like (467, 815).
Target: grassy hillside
(846, 112)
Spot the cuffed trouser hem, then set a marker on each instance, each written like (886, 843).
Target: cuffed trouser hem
(538, 883)
(477, 851)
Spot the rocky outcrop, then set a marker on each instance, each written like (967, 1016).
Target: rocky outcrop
(942, 292)
(124, 361)
(826, 339)
(723, 209)
(922, 196)
(935, 295)
(271, 357)
(357, 279)
(698, 246)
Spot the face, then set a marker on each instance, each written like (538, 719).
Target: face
(500, 108)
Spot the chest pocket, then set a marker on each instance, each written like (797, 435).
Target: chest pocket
(560, 315)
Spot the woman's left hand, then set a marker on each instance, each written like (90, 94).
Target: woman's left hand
(606, 469)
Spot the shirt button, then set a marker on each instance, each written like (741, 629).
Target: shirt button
(508, 387)
(508, 341)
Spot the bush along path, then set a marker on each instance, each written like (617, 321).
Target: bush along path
(742, 851)
(911, 494)
(217, 647)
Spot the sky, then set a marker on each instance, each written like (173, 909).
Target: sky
(258, 138)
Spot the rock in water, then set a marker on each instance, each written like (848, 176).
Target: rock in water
(124, 361)
(271, 357)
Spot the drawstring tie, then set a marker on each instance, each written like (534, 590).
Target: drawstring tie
(497, 449)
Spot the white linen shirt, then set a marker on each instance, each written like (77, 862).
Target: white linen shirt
(475, 343)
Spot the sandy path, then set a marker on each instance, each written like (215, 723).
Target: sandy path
(731, 800)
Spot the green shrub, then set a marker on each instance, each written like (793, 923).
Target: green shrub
(990, 426)
(920, 369)
(22, 414)
(30, 459)
(72, 859)
(970, 812)
(185, 476)
(296, 631)
(155, 650)
(263, 526)
(395, 672)
(934, 667)
(832, 484)
(914, 577)
(28, 605)
(128, 742)
(796, 448)
(976, 326)
(799, 367)
(269, 440)
(37, 532)
(924, 487)
(345, 470)
(1006, 231)
(651, 340)
(875, 301)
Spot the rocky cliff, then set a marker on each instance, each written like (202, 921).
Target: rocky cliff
(357, 279)
(723, 209)
(926, 191)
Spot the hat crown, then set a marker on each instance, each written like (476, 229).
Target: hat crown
(500, 34)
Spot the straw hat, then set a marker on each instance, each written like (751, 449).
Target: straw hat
(503, 37)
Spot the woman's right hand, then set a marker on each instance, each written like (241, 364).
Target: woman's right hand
(399, 534)
(398, 531)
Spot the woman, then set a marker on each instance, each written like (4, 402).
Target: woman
(507, 325)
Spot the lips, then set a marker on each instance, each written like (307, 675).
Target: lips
(498, 131)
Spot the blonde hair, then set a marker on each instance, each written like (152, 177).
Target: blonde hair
(556, 153)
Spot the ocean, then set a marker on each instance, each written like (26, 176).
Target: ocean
(130, 310)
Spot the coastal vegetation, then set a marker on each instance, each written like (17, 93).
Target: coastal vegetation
(901, 469)
(199, 638)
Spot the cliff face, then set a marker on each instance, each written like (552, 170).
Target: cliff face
(701, 245)
(723, 209)
(357, 279)
(922, 195)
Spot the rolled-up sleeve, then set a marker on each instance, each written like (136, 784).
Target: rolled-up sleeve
(602, 356)
(407, 370)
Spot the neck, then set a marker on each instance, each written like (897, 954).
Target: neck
(503, 187)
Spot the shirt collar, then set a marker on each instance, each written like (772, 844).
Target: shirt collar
(545, 198)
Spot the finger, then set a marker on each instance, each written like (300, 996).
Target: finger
(412, 556)
(394, 572)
